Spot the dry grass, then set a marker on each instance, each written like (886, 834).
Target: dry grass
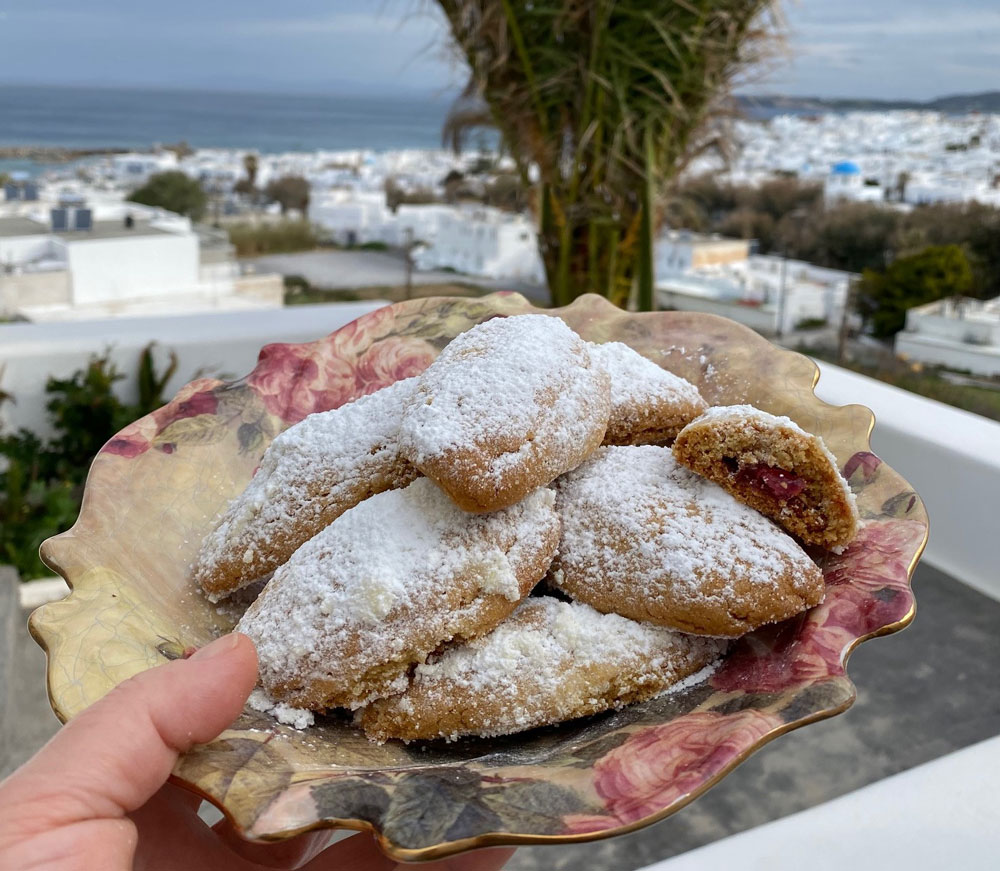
(389, 293)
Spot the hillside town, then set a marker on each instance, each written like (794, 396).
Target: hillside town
(72, 246)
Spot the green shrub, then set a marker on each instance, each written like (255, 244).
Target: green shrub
(811, 324)
(173, 191)
(936, 272)
(41, 482)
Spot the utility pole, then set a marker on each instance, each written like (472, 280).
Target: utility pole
(781, 294)
(796, 214)
(408, 251)
(842, 334)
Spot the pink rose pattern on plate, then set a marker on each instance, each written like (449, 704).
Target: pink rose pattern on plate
(360, 358)
(663, 764)
(581, 779)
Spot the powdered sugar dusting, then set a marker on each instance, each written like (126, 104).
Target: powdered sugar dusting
(548, 661)
(541, 637)
(382, 582)
(693, 680)
(749, 412)
(516, 388)
(632, 517)
(297, 718)
(327, 460)
(636, 380)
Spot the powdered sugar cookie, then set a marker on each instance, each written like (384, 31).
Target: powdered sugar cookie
(309, 475)
(549, 661)
(773, 465)
(648, 539)
(388, 582)
(507, 407)
(648, 403)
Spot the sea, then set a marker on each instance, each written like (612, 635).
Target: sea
(267, 122)
(131, 118)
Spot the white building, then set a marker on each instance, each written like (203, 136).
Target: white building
(771, 294)
(681, 250)
(485, 242)
(351, 217)
(957, 333)
(119, 259)
(133, 168)
(846, 182)
(924, 187)
(473, 240)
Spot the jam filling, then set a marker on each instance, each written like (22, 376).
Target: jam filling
(775, 482)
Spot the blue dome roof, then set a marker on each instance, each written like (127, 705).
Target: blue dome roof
(846, 167)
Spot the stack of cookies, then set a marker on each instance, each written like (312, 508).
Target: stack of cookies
(506, 541)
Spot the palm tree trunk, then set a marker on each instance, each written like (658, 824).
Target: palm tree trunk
(645, 296)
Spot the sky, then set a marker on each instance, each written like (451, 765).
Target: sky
(910, 49)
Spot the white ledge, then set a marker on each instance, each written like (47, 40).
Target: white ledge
(938, 815)
(221, 344)
(950, 457)
(33, 594)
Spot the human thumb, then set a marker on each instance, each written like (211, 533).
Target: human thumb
(114, 756)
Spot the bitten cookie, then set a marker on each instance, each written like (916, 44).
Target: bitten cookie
(507, 407)
(648, 403)
(549, 661)
(388, 582)
(773, 465)
(309, 475)
(646, 538)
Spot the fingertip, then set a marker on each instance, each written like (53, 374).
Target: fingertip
(233, 644)
(247, 647)
(222, 675)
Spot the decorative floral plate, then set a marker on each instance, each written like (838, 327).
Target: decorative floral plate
(155, 488)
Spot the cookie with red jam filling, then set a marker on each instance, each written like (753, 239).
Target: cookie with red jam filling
(774, 466)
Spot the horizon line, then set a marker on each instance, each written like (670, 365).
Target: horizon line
(439, 93)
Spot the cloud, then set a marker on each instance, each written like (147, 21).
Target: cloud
(343, 24)
(353, 23)
(972, 22)
(837, 55)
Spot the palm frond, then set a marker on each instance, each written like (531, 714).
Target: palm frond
(607, 100)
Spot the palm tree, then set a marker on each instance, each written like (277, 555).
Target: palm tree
(602, 102)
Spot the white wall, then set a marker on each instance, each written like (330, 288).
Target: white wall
(941, 321)
(51, 287)
(803, 302)
(938, 815)
(22, 249)
(130, 267)
(480, 241)
(344, 217)
(979, 359)
(671, 255)
(761, 318)
(216, 344)
(950, 457)
(517, 253)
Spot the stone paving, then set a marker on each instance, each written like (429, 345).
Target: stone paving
(921, 694)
